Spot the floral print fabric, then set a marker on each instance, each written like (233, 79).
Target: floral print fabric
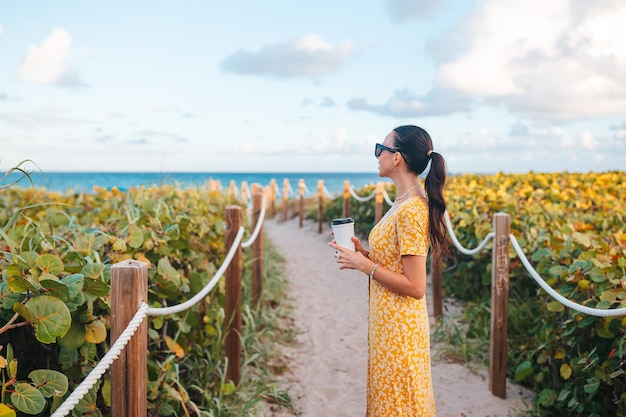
(399, 382)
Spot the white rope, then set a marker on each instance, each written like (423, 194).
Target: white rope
(143, 311)
(458, 244)
(95, 374)
(164, 311)
(290, 190)
(386, 197)
(359, 198)
(559, 297)
(328, 194)
(257, 228)
(306, 189)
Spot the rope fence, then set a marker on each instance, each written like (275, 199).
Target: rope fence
(263, 199)
(502, 241)
(128, 398)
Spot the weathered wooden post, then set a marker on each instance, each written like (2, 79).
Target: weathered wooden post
(499, 304)
(257, 251)
(346, 199)
(436, 276)
(301, 192)
(233, 297)
(285, 199)
(378, 213)
(232, 189)
(320, 205)
(272, 198)
(244, 192)
(129, 373)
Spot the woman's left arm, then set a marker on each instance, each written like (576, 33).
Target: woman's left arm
(412, 282)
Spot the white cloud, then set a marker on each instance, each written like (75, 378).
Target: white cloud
(405, 103)
(48, 63)
(405, 10)
(306, 56)
(561, 59)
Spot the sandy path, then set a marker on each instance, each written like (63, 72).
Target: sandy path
(328, 367)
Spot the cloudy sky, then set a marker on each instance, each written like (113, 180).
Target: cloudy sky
(293, 86)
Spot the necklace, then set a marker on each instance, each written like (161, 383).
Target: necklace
(407, 192)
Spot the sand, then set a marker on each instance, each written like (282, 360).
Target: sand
(327, 368)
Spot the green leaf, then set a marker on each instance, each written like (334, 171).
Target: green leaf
(119, 245)
(52, 317)
(95, 287)
(557, 271)
(28, 399)
(50, 264)
(8, 297)
(165, 269)
(27, 259)
(555, 306)
(20, 284)
(96, 332)
(74, 283)
(592, 387)
(55, 288)
(136, 236)
(523, 370)
(582, 239)
(579, 265)
(75, 302)
(93, 270)
(547, 397)
(49, 383)
(597, 277)
(74, 338)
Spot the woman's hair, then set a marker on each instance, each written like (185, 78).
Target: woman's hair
(415, 144)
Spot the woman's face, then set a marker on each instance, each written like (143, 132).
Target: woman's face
(386, 158)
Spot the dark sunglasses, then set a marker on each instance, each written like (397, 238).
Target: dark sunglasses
(380, 148)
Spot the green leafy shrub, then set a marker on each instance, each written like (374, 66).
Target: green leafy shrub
(55, 262)
(571, 227)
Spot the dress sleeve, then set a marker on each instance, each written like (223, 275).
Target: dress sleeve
(412, 229)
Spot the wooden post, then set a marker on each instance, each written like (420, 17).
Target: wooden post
(285, 199)
(233, 189)
(436, 277)
(233, 297)
(320, 205)
(244, 192)
(499, 304)
(272, 198)
(257, 253)
(301, 192)
(129, 373)
(346, 199)
(378, 213)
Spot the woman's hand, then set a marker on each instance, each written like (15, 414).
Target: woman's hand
(347, 259)
(359, 247)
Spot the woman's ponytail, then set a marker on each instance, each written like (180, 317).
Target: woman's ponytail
(434, 183)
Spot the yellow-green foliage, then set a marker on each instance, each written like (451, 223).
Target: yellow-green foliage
(55, 258)
(571, 227)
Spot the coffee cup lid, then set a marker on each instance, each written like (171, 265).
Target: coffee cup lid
(345, 220)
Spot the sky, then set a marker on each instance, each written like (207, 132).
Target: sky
(311, 86)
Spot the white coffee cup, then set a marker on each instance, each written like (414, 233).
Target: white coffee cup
(343, 230)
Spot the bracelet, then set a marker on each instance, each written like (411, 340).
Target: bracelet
(373, 270)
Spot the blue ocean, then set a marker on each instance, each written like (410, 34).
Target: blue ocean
(84, 182)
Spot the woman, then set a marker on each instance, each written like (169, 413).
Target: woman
(399, 381)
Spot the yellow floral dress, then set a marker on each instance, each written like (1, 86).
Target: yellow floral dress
(399, 382)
